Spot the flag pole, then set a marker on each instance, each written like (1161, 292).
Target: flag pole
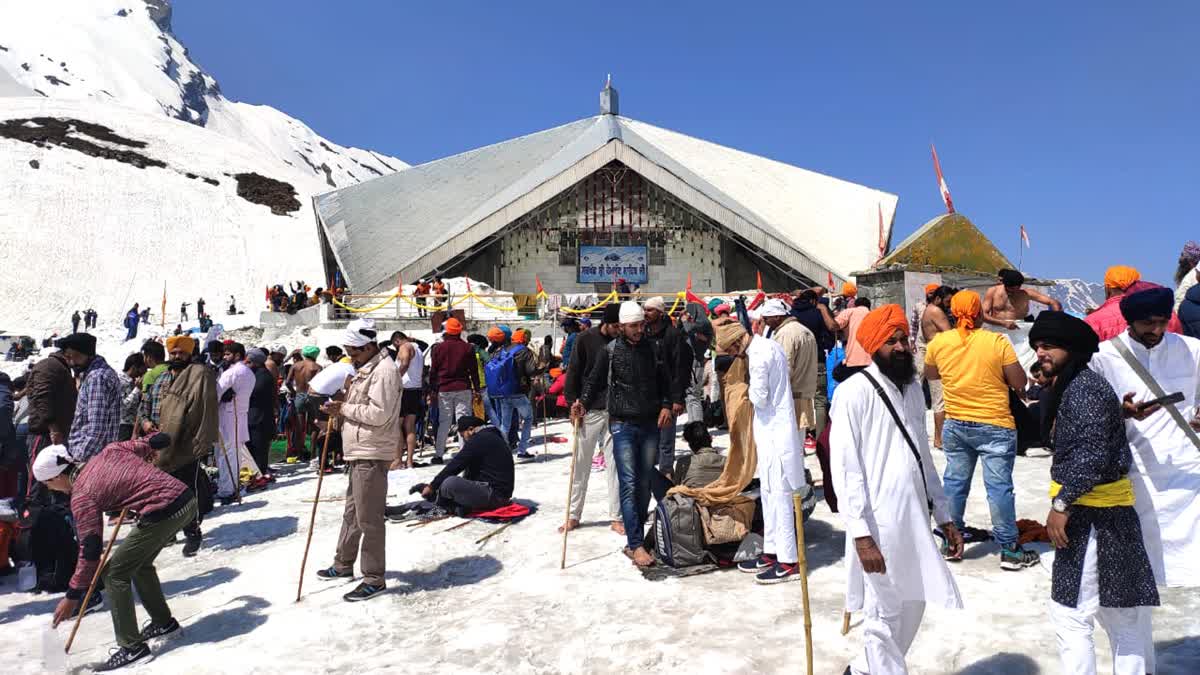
(1021, 249)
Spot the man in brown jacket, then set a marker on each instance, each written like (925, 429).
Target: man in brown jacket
(370, 434)
(183, 404)
(51, 392)
(800, 346)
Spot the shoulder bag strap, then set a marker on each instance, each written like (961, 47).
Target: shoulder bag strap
(1155, 388)
(903, 430)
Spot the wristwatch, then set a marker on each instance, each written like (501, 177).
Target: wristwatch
(1059, 505)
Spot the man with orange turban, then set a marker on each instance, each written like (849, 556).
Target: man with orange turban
(977, 369)
(1119, 282)
(510, 374)
(453, 381)
(888, 489)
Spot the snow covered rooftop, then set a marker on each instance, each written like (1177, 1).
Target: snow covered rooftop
(441, 209)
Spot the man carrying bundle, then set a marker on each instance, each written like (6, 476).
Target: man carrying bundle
(120, 478)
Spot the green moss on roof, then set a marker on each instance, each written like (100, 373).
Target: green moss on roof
(949, 242)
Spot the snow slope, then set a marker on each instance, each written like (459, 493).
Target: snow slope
(82, 230)
(1076, 295)
(123, 51)
(504, 606)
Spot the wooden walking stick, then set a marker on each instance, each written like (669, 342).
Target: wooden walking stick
(562, 563)
(316, 500)
(802, 562)
(95, 577)
(545, 433)
(845, 622)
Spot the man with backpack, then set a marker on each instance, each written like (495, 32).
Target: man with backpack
(509, 373)
(639, 407)
(453, 381)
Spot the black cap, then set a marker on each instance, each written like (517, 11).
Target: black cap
(84, 343)
(612, 313)
(160, 440)
(467, 422)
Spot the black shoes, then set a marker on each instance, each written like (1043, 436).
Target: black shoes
(364, 592)
(330, 573)
(150, 631)
(437, 460)
(191, 546)
(123, 656)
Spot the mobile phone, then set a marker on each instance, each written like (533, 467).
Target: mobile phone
(1169, 399)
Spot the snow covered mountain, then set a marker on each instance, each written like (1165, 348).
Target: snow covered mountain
(126, 169)
(123, 51)
(1076, 295)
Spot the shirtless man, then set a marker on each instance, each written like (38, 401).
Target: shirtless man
(298, 377)
(1006, 303)
(933, 321)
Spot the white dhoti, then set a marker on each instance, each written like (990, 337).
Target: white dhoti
(890, 625)
(1074, 627)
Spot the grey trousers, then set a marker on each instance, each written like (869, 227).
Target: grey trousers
(363, 520)
(594, 432)
(451, 406)
(469, 494)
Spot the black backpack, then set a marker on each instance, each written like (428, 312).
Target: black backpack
(677, 533)
(46, 538)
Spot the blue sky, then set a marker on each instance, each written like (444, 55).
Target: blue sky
(1080, 120)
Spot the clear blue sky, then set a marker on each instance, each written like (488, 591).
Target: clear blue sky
(1080, 120)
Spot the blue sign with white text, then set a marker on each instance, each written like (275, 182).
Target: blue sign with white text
(605, 264)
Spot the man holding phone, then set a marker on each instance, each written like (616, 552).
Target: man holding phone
(1144, 365)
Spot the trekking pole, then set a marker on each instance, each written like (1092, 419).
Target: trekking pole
(802, 562)
(95, 577)
(562, 563)
(316, 500)
(545, 432)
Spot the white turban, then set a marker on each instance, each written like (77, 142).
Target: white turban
(359, 333)
(631, 312)
(774, 307)
(657, 302)
(51, 462)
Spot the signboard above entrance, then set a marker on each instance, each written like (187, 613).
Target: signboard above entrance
(601, 264)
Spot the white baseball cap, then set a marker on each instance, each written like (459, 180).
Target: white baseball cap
(50, 462)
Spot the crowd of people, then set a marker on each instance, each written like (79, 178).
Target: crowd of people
(179, 430)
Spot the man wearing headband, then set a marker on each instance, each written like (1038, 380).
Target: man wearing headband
(234, 387)
(1101, 570)
(780, 446)
(1142, 364)
(97, 420)
(888, 489)
(592, 420)
(1007, 302)
(182, 403)
(639, 406)
(1120, 281)
(370, 434)
(978, 368)
(453, 381)
(118, 478)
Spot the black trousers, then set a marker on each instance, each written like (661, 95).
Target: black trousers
(189, 474)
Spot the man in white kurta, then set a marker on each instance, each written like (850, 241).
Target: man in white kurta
(780, 455)
(233, 391)
(884, 496)
(1166, 462)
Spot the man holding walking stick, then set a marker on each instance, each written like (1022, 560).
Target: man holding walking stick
(370, 434)
(121, 478)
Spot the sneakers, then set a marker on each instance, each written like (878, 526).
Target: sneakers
(191, 546)
(1014, 558)
(332, 572)
(437, 460)
(756, 565)
(96, 604)
(524, 455)
(778, 573)
(150, 631)
(123, 656)
(364, 592)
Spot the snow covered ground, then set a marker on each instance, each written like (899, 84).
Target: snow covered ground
(504, 606)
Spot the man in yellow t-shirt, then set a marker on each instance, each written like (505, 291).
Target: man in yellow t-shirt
(977, 369)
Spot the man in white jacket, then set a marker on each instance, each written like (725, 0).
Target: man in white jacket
(233, 391)
(780, 455)
(887, 487)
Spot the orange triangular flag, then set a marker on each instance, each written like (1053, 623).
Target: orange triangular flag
(539, 284)
(759, 275)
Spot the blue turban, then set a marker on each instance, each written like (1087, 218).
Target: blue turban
(1145, 304)
(507, 332)
(714, 304)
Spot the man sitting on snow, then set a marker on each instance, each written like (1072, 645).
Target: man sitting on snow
(486, 465)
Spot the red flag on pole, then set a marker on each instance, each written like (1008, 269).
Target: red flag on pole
(468, 283)
(688, 295)
(945, 189)
(830, 282)
(882, 238)
(1024, 237)
(758, 274)
(538, 281)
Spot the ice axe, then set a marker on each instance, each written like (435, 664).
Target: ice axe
(802, 563)
(316, 500)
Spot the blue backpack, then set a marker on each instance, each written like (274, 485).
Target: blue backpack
(501, 372)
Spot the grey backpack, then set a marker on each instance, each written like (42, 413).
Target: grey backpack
(678, 534)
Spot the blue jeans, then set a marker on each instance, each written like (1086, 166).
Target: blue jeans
(635, 447)
(521, 405)
(967, 442)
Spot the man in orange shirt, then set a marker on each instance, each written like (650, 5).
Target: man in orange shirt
(847, 321)
(977, 368)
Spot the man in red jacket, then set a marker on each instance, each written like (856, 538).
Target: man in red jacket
(454, 380)
(1120, 281)
(121, 477)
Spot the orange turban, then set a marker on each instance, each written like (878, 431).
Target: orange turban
(879, 325)
(849, 289)
(520, 337)
(1121, 277)
(494, 334)
(453, 326)
(183, 342)
(930, 288)
(555, 372)
(966, 308)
